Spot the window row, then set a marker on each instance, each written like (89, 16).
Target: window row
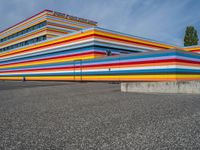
(31, 41)
(40, 25)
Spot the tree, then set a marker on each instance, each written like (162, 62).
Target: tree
(191, 36)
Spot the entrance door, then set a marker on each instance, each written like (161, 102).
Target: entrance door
(78, 70)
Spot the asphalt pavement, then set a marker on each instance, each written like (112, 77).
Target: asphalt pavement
(84, 116)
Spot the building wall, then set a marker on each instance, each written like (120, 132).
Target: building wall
(172, 65)
(82, 56)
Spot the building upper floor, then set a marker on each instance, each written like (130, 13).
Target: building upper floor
(44, 25)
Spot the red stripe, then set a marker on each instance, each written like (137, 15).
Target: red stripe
(195, 50)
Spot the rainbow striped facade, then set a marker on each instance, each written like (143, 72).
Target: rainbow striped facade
(83, 56)
(171, 65)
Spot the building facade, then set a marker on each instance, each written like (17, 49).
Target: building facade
(80, 51)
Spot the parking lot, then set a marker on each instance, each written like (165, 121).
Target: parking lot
(68, 115)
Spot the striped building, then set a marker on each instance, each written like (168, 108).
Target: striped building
(96, 54)
(44, 25)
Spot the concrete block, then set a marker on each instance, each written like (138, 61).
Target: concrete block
(162, 87)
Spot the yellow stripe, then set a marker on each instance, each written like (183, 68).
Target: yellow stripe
(11, 78)
(192, 49)
(172, 77)
(57, 78)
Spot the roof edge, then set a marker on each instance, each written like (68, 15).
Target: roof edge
(46, 10)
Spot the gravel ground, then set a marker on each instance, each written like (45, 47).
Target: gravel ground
(64, 115)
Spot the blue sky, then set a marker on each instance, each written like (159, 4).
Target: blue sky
(161, 20)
